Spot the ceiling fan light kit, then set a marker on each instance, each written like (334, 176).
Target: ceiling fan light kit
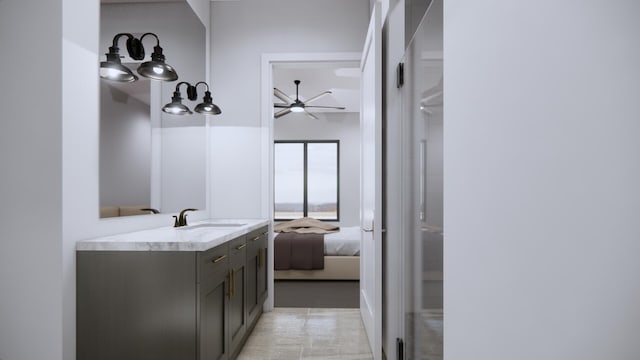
(290, 105)
(297, 108)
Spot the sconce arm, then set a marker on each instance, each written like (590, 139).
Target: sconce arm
(154, 35)
(191, 90)
(207, 93)
(157, 54)
(135, 47)
(118, 36)
(202, 82)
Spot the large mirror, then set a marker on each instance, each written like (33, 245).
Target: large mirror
(151, 161)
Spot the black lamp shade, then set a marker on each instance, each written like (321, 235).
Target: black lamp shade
(207, 106)
(116, 72)
(113, 70)
(175, 107)
(208, 109)
(157, 69)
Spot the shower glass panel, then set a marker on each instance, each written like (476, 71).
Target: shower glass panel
(422, 96)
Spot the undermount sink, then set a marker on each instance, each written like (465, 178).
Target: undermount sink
(212, 225)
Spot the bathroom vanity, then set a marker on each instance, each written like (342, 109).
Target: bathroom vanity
(194, 292)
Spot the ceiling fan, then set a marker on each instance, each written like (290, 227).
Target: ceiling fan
(290, 105)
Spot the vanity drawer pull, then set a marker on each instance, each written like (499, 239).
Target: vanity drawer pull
(241, 247)
(219, 259)
(256, 238)
(264, 233)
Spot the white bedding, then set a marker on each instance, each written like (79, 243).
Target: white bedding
(345, 242)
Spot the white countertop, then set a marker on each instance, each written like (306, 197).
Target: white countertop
(199, 236)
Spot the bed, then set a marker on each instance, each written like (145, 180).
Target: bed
(341, 258)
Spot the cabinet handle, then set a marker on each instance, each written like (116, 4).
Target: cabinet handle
(264, 233)
(241, 247)
(219, 259)
(256, 238)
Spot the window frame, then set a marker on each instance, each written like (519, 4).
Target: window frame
(305, 203)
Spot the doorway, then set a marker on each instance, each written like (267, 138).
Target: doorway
(314, 170)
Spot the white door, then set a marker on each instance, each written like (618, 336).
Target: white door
(371, 184)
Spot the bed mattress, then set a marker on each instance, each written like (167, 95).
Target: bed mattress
(345, 242)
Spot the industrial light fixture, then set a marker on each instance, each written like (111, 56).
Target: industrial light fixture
(175, 107)
(156, 68)
(207, 107)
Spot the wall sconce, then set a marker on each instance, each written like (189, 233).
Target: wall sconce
(156, 69)
(207, 107)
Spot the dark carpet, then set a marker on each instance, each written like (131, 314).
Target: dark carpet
(317, 293)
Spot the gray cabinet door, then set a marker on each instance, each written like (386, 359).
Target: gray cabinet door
(262, 269)
(237, 293)
(256, 273)
(136, 305)
(252, 284)
(214, 304)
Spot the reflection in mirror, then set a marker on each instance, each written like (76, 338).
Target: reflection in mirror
(151, 162)
(125, 147)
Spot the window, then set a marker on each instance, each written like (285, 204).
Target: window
(306, 179)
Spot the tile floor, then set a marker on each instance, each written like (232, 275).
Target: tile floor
(308, 333)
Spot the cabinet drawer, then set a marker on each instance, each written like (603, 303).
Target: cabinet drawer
(237, 245)
(213, 262)
(258, 236)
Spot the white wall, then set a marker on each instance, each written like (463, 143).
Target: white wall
(344, 127)
(80, 114)
(31, 181)
(49, 179)
(82, 52)
(241, 32)
(541, 180)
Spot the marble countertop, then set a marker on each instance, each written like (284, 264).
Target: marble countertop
(199, 236)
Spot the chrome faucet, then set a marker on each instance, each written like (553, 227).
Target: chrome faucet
(182, 219)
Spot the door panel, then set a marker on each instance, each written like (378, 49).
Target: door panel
(252, 282)
(237, 316)
(213, 339)
(371, 184)
(423, 137)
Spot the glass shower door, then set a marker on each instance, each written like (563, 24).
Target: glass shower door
(423, 137)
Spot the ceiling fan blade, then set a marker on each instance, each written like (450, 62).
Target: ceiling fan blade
(311, 115)
(280, 105)
(318, 96)
(281, 113)
(282, 96)
(325, 107)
